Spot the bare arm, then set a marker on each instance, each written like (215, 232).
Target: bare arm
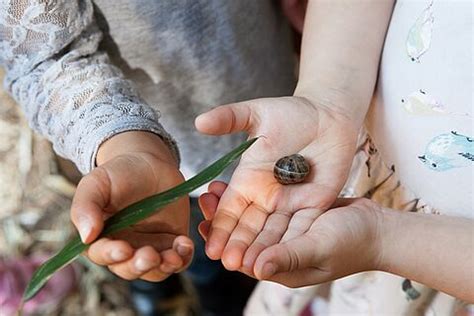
(342, 43)
(341, 47)
(434, 250)
(359, 235)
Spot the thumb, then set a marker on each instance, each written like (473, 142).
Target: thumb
(91, 198)
(226, 119)
(296, 254)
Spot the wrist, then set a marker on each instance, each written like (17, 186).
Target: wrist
(333, 111)
(352, 106)
(388, 237)
(133, 142)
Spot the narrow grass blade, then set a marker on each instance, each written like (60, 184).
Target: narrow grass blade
(129, 216)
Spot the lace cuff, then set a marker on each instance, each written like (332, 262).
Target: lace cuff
(87, 150)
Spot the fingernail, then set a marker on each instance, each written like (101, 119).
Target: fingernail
(183, 250)
(210, 250)
(268, 270)
(198, 118)
(142, 265)
(118, 255)
(84, 228)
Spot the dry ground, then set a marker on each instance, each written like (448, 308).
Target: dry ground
(34, 214)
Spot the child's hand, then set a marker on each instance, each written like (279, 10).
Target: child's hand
(340, 242)
(132, 166)
(325, 137)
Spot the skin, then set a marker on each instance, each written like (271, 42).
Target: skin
(331, 105)
(342, 41)
(132, 166)
(254, 194)
(358, 235)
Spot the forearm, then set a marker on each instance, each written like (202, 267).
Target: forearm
(70, 91)
(342, 43)
(434, 250)
(83, 106)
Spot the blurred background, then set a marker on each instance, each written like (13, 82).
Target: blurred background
(35, 196)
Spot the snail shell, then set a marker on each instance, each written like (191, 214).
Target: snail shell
(291, 169)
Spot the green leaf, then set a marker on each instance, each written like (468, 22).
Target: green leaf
(129, 216)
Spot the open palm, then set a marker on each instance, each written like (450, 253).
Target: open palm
(242, 226)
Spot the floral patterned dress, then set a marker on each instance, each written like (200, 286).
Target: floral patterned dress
(419, 157)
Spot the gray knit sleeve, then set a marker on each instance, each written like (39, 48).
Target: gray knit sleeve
(68, 89)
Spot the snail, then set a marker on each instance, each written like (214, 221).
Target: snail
(291, 169)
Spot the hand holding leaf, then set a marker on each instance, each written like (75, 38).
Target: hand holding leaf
(130, 216)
